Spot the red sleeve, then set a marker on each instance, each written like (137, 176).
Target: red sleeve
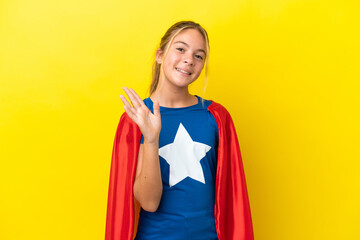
(121, 219)
(232, 208)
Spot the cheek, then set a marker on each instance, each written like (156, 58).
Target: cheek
(200, 67)
(169, 63)
(166, 65)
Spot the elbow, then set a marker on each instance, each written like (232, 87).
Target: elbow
(150, 206)
(149, 203)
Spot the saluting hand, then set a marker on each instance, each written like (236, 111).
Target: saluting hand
(149, 124)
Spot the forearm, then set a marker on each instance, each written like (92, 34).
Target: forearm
(148, 183)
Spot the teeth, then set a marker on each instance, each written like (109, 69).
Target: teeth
(182, 71)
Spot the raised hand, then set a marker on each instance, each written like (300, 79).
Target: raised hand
(149, 124)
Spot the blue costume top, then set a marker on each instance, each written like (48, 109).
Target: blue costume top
(187, 153)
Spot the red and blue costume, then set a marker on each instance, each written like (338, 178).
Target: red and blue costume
(232, 210)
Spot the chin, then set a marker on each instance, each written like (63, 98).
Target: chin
(183, 83)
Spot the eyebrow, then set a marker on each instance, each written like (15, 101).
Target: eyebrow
(201, 50)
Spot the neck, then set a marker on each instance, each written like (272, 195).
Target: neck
(173, 97)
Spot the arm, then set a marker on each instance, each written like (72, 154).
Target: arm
(148, 184)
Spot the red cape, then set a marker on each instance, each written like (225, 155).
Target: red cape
(232, 208)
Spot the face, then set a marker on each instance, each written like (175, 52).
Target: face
(184, 60)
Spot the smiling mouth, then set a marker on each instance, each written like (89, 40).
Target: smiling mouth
(182, 71)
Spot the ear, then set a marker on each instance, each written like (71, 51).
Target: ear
(159, 55)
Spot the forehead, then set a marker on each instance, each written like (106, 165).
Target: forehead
(191, 37)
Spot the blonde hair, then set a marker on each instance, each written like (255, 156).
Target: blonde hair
(165, 43)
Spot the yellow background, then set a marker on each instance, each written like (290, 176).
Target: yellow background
(287, 70)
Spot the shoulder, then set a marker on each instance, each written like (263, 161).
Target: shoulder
(222, 117)
(216, 107)
(125, 120)
(127, 127)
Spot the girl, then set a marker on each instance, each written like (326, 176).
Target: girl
(177, 155)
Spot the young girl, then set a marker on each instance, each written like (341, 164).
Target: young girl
(177, 155)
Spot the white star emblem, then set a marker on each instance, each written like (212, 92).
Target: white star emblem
(183, 156)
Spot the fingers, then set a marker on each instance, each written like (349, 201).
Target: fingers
(125, 101)
(137, 97)
(129, 112)
(128, 108)
(135, 110)
(133, 97)
(156, 107)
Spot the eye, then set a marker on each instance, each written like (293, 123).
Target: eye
(199, 57)
(180, 49)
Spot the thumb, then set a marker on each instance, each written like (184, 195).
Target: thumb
(156, 107)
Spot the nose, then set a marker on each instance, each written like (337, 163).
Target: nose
(189, 59)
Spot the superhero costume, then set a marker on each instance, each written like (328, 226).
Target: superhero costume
(232, 209)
